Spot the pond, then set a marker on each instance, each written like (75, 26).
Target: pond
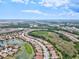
(11, 42)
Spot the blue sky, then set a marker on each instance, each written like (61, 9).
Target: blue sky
(39, 9)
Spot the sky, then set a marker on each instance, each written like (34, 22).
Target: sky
(39, 9)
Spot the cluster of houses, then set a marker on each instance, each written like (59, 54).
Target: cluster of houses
(37, 48)
(8, 50)
(70, 29)
(9, 30)
(9, 36)
(71, 36)
(39, 53)
(53, 53)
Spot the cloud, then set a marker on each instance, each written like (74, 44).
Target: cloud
(35, 12)
(54, 3)
(73, 5)
(33, 2)
(18, 1)
(46, 3)
(21, 1)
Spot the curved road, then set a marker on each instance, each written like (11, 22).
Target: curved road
(46, 48)
(43, 49)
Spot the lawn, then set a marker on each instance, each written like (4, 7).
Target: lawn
(28, 48)
(25, 52)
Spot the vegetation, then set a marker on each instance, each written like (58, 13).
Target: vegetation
(77, 33)
(25, 52)
(66, 48)
(28, 48)
(77, 46)
(64, 37)
(18, 25)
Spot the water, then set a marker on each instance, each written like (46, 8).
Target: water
(21, 54)
(11, 42)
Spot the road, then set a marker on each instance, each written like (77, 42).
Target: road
(44, 50)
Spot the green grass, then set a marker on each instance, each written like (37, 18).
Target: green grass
(66, 48)
(28, 48)
(77, 46)
(25, 52)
